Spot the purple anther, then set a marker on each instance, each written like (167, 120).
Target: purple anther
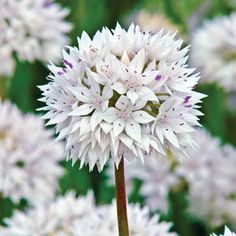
(158, 77)
(60, 73)
(186, 99)
(68, 63)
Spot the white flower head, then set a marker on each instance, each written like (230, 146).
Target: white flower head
(211, 178)
(33, 29)
(226, 233)
(51, 218)
(123, 93)
(214, 51)
(29, 157)
(104, 223)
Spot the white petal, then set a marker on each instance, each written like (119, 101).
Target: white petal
(142, 117)
(122, 102)
(149, 76)
(126, 140)
(125, 58)
(140, 103)
(94, 76)
(119, 87)
(107, 92)
(82, 110)
(81, 93)
(133, 129)
(137, 64)
(94, 87)
(159, 133)
(171, 137)
(84, 125)
(133, 96)
(57, 119)
(146, 142)
(110, 115)
(96, 118)
(106, 127)
(148, 94)
(118, 126)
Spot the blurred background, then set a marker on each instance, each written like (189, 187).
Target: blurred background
(182, 16)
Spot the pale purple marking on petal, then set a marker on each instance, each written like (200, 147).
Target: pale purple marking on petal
(47, 3)
(188, 106)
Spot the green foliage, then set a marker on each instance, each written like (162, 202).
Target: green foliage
(213, 108)
(75, 179)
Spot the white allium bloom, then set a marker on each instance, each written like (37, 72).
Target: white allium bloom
(29, 157)
(226, 233)
(33, 29)
(53, 218)
(156, 177)
(104, 223)
(123, 93)
(211, 177)
(214, 51)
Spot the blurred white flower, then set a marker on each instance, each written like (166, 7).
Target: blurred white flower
(211, 177)
(71, 216)
(29, 157)
(33, 29)
(104, 223)
(226, 233)
(153, 21)
(52, 218)
(123, 93)
(157, 179)
(214, 51)
(209, 174)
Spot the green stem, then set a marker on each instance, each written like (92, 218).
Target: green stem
(4, 86)
(121, 200)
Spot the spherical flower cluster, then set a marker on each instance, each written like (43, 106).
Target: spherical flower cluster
(211, 178)
(52, 218)
(214, 51)
(29, 157)
(33, 29)
(157, 179)
(123, 94)
(226, 233)
(104, 223)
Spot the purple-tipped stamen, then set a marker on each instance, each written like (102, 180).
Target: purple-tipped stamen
(158, 77)
(186, 99)
(68, 63)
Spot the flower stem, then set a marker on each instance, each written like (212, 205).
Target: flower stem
(121, 200)
(4, 87)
